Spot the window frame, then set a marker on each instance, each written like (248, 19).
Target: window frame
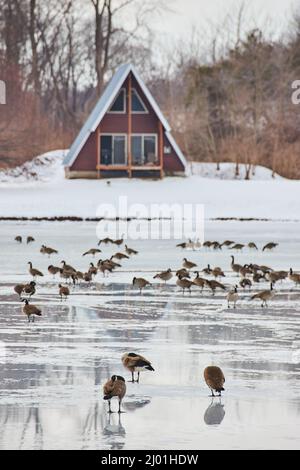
(143, 135)
(123, 89)
(146, 111)
(112, 135)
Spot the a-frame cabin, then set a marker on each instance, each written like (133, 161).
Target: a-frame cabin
(125, 135)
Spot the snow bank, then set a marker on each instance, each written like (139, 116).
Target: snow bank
(46, 167)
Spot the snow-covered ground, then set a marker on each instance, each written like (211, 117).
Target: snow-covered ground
(42, 191)
(227, 171)
(51, 372)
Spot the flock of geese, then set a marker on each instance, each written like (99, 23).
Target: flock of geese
(209, 277)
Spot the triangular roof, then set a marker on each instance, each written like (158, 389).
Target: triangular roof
(103, 106)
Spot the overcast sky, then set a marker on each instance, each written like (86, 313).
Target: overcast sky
(199, 13)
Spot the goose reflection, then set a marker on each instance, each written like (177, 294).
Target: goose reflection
(136, 404)
(114, 432)
(215, 413)
(113, 426)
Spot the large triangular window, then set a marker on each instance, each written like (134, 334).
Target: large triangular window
(119, 105)
(137, 105)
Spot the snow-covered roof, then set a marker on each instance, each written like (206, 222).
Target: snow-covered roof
(103, 106)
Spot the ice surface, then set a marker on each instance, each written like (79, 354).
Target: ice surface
(52, 371)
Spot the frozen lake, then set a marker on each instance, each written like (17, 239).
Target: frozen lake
(52, 371)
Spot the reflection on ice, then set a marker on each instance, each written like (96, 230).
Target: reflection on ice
(215, 412)
(136, 403)
(113, 427)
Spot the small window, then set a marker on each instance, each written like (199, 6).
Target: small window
(137, 105)
(119, 105)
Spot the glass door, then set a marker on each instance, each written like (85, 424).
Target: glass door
(119, 150)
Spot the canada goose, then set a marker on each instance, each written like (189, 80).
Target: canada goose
(34, 272)
(234, 266)
(119, 241)
(29, 239)
(79, 275)
(29, 288)
(164, 275)
(64, 291)
(19, 289)
(31, 310)
(213, 285)
(47, 250)
(188, 264)
(184, 284)
(25, 288)
(207, 270)
(68, 267)
(92, 251)
(74, 278)
(270, 246)
(92, 269)
(217, 272)
(216, 246)
(282, 275)
(199, 281)
(120, 256)
(214, 379)
(265, 269)
(136, 363)
(112, 263)
(105, 241)
(245, 283)
(227, 243)
(273, 277)
(190, 245)
(254, 267)
(245, 270)
(130, 251)
(87, 277)
(257, 277)
(115, 387)
(104, 267)
(66, 274)
(237, 246)
(182, 272)
(264, 296)
(232, 297)
(181, 245)
(53, 270)
(207, 244)
(252, 246)
(140, 283)
(18, 239)
(295, 277)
